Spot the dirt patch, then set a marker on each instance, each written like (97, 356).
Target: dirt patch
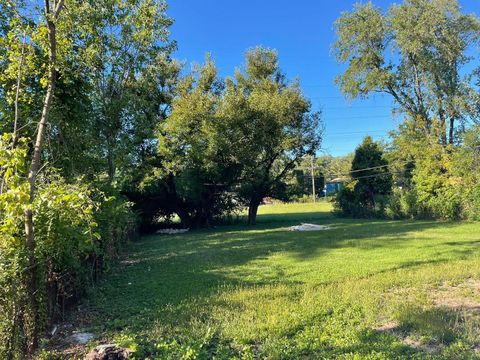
(457, 298)
(473, 284)
(390, 327)
(64, 342)
(430, 348)
(457, 303)
(463, 296)
(67, 341)
(393, 328)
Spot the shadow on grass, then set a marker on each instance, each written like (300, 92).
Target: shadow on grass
(167, 278)
(420, 333)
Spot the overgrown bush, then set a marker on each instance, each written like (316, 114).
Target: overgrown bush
(466, 168)
(350, 202)
(402, 204)
(16, 318)
(302, 199)
(115, 220)
(77, 228)
(432, 180)
(471, 202)
(438, 179)
(66, 235)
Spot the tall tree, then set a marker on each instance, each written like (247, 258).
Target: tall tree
(370, 170)
(270, 124)
(400, 54)
(242, 137)
(126, 44)
(52, 12)
(371, 180)
(191, 148)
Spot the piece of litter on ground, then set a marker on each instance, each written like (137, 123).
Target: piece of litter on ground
(82, 337)
(54, 330)
(172, 231)
(308, 227)
(109, 351)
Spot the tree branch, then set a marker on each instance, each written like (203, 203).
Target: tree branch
(58, 8)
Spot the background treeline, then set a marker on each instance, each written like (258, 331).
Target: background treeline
(226, 144)
(424, 54)
(102, 131)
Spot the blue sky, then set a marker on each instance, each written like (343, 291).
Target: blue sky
(302, 32)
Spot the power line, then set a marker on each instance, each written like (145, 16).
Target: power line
(361, 170)
(327, 97)
(357, 107)
(353, 171)
(334, 97)
(360, 177)
(351, 138)
(354, 132)
(365, 117)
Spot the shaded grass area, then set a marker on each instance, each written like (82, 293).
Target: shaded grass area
(264, 292)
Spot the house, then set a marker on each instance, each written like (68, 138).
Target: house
(333, 186)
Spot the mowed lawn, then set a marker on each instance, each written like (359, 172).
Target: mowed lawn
(363, 289)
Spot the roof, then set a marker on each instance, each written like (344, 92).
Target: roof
(337, 180)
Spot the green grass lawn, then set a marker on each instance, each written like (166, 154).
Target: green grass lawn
(364, 289)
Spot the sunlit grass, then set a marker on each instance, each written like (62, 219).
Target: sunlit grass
(266, 292)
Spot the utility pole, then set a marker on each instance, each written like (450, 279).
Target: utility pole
(314, 194)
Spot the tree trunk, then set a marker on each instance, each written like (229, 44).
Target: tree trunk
(32, 270)
(110, 164)
(184, 216)
(441, 114)
(252, 210)
(178, 206)
(451, 131)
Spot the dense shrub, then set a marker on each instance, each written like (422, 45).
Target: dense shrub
(437, 180)
(116, 223)
(402, 204)
(77, 228)
(471, 202)
(432, 180)
(66, 235)
(351, 202)
(466, 169)
(366, 194)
